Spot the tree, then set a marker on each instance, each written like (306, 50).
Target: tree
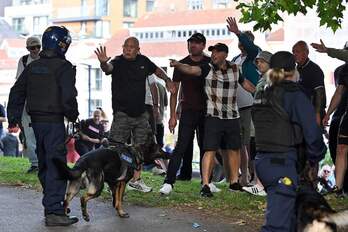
(266, 12)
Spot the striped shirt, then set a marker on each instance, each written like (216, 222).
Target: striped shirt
(221, 90)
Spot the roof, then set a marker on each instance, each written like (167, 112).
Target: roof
(15, 43)
(153, 49)
(180, 18)
(6, 62)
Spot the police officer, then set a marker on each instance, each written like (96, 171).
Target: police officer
(48, 86)
(283, 117)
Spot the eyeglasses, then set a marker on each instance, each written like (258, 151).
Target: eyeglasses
(326, 171)
(34, 47)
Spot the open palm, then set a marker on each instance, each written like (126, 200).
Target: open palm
(101, 54)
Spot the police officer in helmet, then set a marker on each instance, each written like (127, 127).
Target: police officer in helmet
(48, 86)
(283, 118)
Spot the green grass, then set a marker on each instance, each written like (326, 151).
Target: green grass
(238, 206)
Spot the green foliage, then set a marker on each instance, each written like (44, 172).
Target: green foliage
(266, 12)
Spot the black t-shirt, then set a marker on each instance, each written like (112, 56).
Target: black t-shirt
(92, 130)
(128, 84)
(193, 97)
(311, 77)
(342, 74)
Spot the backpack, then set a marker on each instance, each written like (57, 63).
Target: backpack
(25, 60)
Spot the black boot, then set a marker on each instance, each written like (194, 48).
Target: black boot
(60, 220)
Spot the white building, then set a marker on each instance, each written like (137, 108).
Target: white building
(28, 17)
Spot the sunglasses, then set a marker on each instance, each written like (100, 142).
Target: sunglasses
(34, 47)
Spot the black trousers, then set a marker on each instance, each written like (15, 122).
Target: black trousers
(190, 121)
(186, 167)
(333, 133)
(160, 134)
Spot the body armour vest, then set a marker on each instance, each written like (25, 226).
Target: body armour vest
(43, 93)
(274, 132)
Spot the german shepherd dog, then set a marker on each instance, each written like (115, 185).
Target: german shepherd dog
(105, 165)
(314, 214)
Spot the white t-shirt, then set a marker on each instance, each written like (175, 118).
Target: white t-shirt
(148, 96)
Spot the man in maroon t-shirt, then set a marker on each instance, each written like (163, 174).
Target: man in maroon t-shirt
(192, 111)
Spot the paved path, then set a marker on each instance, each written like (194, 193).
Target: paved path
(21, 210)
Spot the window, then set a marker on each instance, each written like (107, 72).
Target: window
(195, 4)
(84, 8)
(223, 31)
(18, 24)
(141, 35)
(156, 34)
(190, 33)
(39, 24)
(207, 32)
(179, 34)
(94, 104)
(220, 3)
(97, 79)
(128, 24)
(102, 29)
(101, 7)
(150, 5)
(146, 35)
(161, 34)
(83, 28)
(184, 33)
(130, 8)
(218, 32)
(213, 32)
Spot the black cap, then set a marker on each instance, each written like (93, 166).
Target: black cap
(220, 47)
(284, 60)
(198, 37)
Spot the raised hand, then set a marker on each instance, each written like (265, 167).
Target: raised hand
(232, 25)
(101, 54)
(319, 47)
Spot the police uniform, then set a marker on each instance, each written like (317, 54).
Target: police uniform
(283, 117)
(48, 86)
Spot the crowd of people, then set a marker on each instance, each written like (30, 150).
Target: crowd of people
(261, 116)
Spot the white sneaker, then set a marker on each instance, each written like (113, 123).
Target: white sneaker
(139, 185)
(166, 189)
(255, 190)
(213, 188)
(158, 171)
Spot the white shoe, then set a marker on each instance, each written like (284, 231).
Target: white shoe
(213, 188)
(139, 185)
(158, 171)
(255, 190)
(166, 189)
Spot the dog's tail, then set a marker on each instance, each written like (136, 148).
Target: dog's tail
(339, 218)
(65, 171)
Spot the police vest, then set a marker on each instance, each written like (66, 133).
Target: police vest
(43, 91)
(274, 132)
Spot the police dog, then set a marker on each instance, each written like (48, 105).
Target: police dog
(105, 165)
(314, 214)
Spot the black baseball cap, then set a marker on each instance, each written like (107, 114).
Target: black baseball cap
(197, 37)
(284, 60)
(220, 47)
